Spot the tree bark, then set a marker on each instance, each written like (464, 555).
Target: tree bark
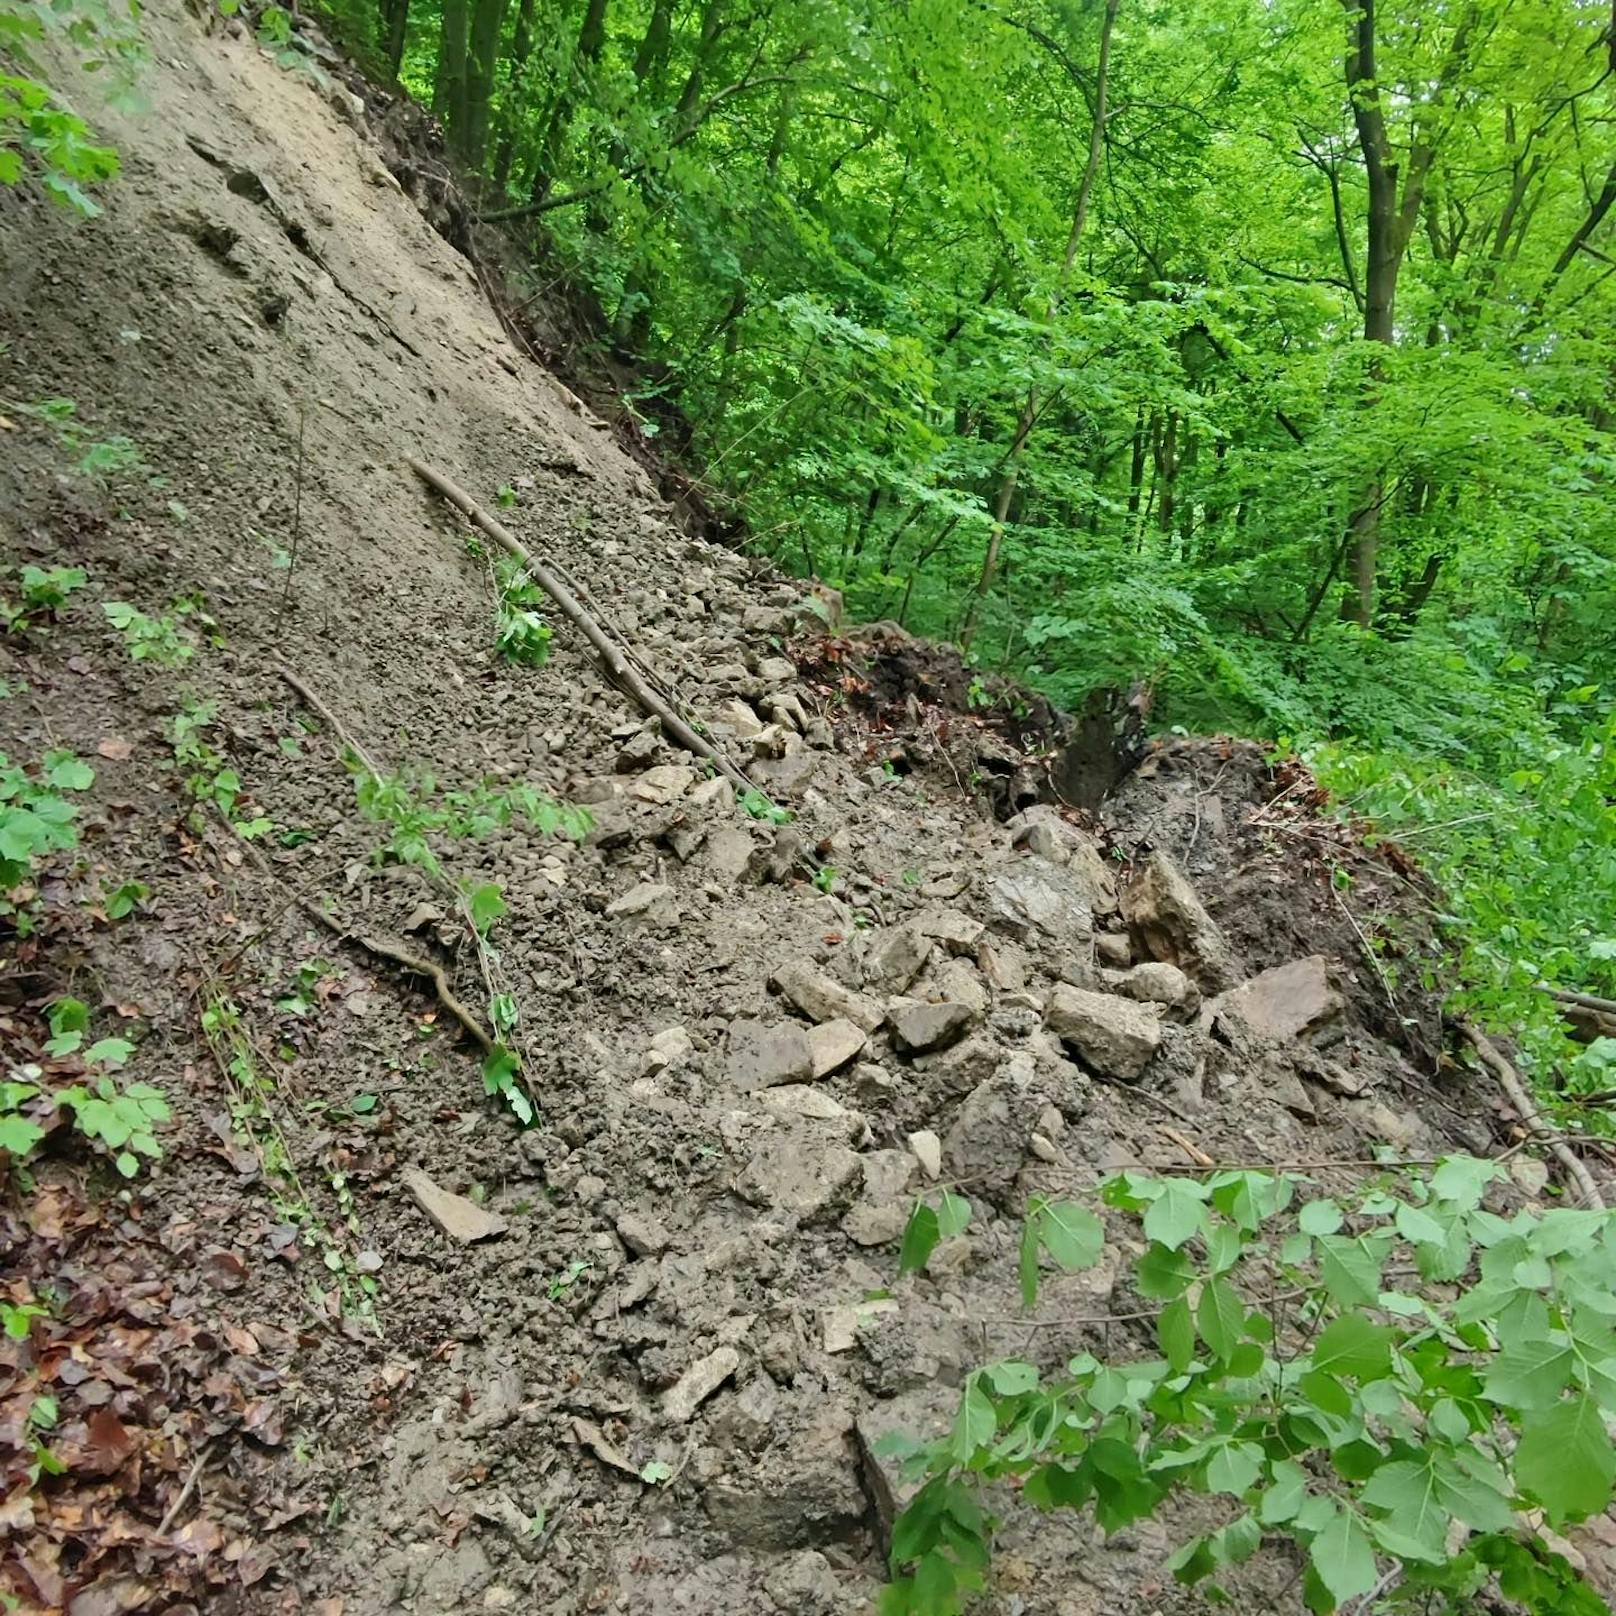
(395, 30)
(482, 63)
(521, 56)
(1029, 410)
(591, 40)
(449, 89)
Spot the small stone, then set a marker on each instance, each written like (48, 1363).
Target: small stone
(644, 895)
(737, 717)
(833, 1044)
(805, 1585)
(747, 1420)
(956, 1071)
(1115, 1036)
(728, 853)
(639, 751)
(988, 1141)
(764, 1053)
(1285, 1003)
(958, 981)
(896, 959)
(840, 1325)
(874, 1084)
(777, 670)
(1154, 982)
(821, 998)
(698, 1383)
(803, 1100)
(928, 1151)
(663, 785)
(459, 1218)
(674, 1045)
(917, 1028)
(643, 1236)
(1043, 1148)
(958, 933)
(1039, 902)
(883, 1209)
(798, 1173)
(716, 795)
(1114, 949)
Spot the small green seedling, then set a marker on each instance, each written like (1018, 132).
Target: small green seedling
(148, 639)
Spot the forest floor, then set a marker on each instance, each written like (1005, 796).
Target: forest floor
(359, 1342)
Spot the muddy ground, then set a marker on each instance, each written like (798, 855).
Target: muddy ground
(652, 1381)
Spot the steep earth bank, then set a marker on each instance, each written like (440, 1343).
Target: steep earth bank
(653, 1378)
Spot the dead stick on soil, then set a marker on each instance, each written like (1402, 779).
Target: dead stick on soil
(1584, 1001)
(1510, 1082)
(297, 518)
(171, 1514)
(385, 948)
(618, 667)
(333, 723)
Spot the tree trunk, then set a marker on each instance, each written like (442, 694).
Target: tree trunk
(521, 55)
(591, 40)
(395, 29)
(653, 52)
(449, 93)
(482, 63)
(1029, 410)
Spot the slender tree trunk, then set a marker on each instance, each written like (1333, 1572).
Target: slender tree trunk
(521, 56)
(395, 29)
(591, 40)
(1169, 473)
(1029, 410)
(650, 58)
(449, 93)
(482, 63)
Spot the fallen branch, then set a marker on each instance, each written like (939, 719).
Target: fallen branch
(1583, 1001)
(617, 665)
(1509, 1081)
(385, 948)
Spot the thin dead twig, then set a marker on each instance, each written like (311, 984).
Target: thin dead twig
(1509, 1080)
(171, 1514)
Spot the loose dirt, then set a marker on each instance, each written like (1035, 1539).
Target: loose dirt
(652, 1378)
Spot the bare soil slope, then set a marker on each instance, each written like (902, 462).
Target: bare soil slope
(654, 1384)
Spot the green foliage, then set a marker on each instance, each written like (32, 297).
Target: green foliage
(35, 817)
(521, 634)
(44, 591)
(40, 134)
(149, 639)
(1309, 1374)
(207, 776)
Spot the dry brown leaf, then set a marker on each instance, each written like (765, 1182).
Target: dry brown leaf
(115, 747)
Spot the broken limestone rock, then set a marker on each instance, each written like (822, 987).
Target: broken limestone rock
(988, 1141)
(1170, 923)
(958, 933)
(1114, 950)
(821, 998)
(665, 784)
(739, 719)
(833, 1044)
(924, 1415)
(953, 1072)
(1042, 829)
(928, 1151)
(883, 1209)
(764, 1053)
(839, 1326)
(1114, 1036)
(639, 898)
(459, 1218)
(803, 1100)
(1285, 1003)
(729, 851)
(1155, 982)
(698, 1383)
(803, 1490)
(958, 981)
(644, 1236)
(917, 1028)
(896, 959)
(1041, 903)
(798, 1173)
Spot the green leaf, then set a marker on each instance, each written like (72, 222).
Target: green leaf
(1163, 1274)
(67, 772)
(1409, 1494)
(1071, 1234)
(1565, 1459)
(1350, 1267)
(1531, 1374)
(1354, 1346)
(1234, 1468)
(1220, 1317)
(1463, 1180)
(920, 1237)
(1343, 1557)
(1286, 1490)
(486, 904)
(953, 1215)
(1319, 1217)
(1175, 1330)
(1012, 1378)
(1027, 1263)
(974, 1425)
(18, 1135)
(1178, 1214)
